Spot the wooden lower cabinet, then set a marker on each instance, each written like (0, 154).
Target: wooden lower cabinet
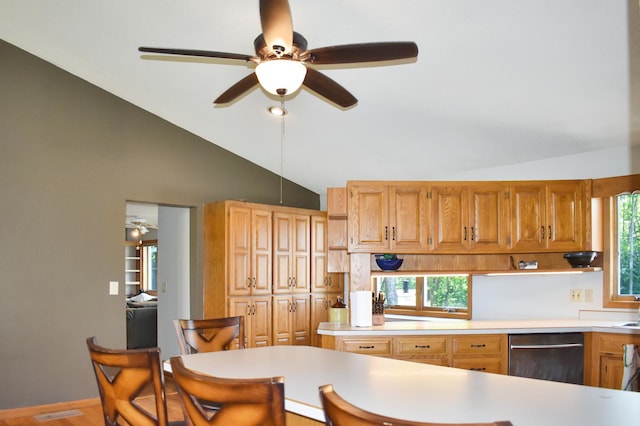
(257, 318)
(606, 367)
(291, 317)
(481, 352)
(425, 349)
(320, 304)
(478, 352)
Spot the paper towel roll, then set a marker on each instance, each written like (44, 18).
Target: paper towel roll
(361, 309)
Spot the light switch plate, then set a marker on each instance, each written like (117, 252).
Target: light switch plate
(113, 288)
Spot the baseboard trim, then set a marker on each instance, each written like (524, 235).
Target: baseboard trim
(47, 408)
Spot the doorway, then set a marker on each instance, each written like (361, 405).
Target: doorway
(159, 238)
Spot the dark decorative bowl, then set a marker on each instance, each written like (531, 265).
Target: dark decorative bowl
(581, 259)
(388, 264)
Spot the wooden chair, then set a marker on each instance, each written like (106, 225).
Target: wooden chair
(122, 375)
(209, 335)
(238, 401)
(339, 412)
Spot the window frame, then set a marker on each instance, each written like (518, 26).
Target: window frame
(608, 189)
(419, 310)
(611, 298)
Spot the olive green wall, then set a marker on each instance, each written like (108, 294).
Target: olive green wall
(71, 155)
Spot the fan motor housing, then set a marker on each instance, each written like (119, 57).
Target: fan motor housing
(299, 46)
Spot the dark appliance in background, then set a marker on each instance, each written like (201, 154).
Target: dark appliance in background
(557, 357)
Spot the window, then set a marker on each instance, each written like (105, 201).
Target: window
(438, 295)
(149, 266)
(628, 244)
(621, 226)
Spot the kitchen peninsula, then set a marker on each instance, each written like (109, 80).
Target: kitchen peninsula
(419, 392)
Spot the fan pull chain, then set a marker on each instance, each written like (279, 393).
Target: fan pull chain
(281, 143)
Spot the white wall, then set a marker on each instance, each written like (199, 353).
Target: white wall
(533, 296)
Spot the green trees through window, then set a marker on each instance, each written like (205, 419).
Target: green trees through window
(430, 295)
(628, 243)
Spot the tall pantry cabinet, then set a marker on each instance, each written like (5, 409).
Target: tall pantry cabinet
(262, 262)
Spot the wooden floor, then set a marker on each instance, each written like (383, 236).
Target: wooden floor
(91, 415)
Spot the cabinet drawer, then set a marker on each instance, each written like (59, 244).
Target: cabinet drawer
(421, 346)
(612, 343)
(480, 344)
(368, 346)
(487, 365)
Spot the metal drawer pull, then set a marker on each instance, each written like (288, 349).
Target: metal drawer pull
(423, 347)
(565, 345)
(366, 347)
(478, 369)
(478, 346)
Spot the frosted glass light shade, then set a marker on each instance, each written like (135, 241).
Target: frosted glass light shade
(281, 74)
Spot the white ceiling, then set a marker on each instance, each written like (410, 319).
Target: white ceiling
(496, 83)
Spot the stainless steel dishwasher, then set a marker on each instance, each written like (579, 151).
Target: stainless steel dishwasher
(557, 357)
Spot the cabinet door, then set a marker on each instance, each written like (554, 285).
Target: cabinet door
(239, 272)
(450, 216)
(261, 251)
(407, 219)
(489, 218)
(320, 304)
(319, 277)
(282, 318)
(528, 222)
(242, 306)
(301, 253)
(368, 219)
(565, 216)
(261, 321)
(611, 371)
(291, 253)
(301, 319)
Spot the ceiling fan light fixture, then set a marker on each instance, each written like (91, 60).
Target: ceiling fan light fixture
(279, 75)
(278, 111)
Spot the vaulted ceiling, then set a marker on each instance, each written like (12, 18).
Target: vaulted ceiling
(496, 82)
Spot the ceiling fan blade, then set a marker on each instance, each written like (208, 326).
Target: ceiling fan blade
(191, 52)
(238, 89)
(363, 52)
(277, 25)
(326, 87)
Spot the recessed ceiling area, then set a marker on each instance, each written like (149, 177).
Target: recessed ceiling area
(497, 83)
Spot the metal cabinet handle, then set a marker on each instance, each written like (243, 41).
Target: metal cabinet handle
(422, 347)
(386, 233)
(549, 232)
(366, 347)
(393, 233)
(478, 346)
(478, 368)
(473, 234)
(465, 233)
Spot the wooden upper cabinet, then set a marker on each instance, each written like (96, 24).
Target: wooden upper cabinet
(469, 218)
(291, 253)
(489, 217)
(548, 216)
(386, 218)
(321, 279)
(450, 217)
(368, 222)
(249, 268)
(407, 218)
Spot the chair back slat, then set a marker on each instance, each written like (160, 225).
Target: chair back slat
(340, 412)
(121, 376)
(209, 400)
(210, 335)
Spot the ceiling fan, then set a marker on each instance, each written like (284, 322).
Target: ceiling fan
(282, 58)
(139, 226)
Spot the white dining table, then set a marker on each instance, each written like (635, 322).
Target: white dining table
(420, 392)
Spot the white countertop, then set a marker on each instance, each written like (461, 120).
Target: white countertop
(421, 392)
(476, 327)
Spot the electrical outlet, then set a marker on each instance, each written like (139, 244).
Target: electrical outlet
(588, 295)
(576, 295)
